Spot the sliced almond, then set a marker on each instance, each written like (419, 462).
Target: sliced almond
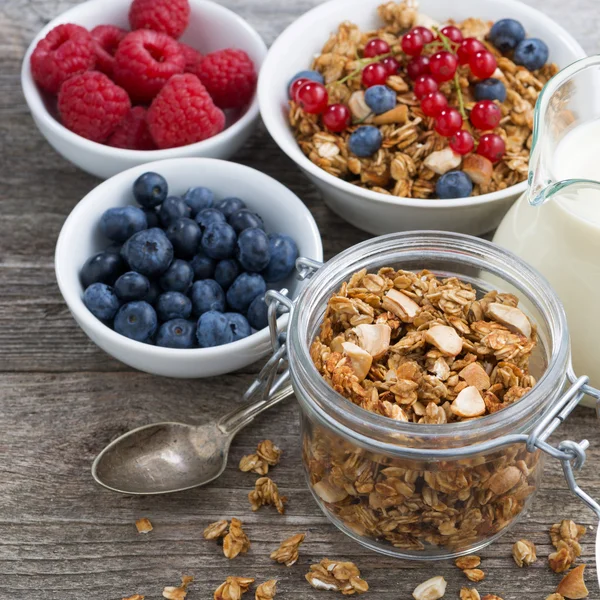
(398, 115)
(328, 492)
(359, 108)
(360, 359)
(504, 480)
(468, 403)
(442, 161)
(375, 339)
(475, 375)
(572, 585)
(515, 319)
(401, 305)
(445, 339)
(432, 589)
(478, 168)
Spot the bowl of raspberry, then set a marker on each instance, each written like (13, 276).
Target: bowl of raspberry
(112, 84)
(165, 266)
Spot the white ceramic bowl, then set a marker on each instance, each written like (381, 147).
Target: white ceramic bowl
(374, 212)
(212, 27)
(80, 238)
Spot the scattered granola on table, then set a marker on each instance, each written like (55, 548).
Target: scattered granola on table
(236, 541)
(143, 525)
(216, 530)
(468, 562)
(267, 455)
(524, 553)
(333, 575)
(179, 592)
(491, 597)
(573, 585)
(565, 538)
(474, 575)
(469, 594)
(266, 492)
(432, 589)
(135, 597)
(555, 597)
(266, 590)
(233, 588)
(287, 553)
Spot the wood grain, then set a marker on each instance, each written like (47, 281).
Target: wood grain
(62, 399)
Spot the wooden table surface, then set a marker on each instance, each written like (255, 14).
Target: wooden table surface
(62, 399)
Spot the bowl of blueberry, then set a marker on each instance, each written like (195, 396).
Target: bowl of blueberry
(165, 266)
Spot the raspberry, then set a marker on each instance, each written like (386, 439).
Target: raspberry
(92, 106)
(106, 40)
(66, 51)
(144, 62)
(193, 58)
(132, 132)
(183, 113)
(229, 77)
(165, 16)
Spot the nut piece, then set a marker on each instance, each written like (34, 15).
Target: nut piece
(180, 592)
(504, 480)
(478, 168)
(359, 108)
(561, 560)
(287, 553)
(360, 359)
(442, 161)
(445, 339)
(524, 553)
(329, 493)
(375, 339)
(266, 590)
(233, 588)
(474, 374)
(143, 525)
(266, 492)
(474, 574)
(332, 575)
(401, 305)
(398, 114)
(215, 530)
(236, 541)
(432, 589)
(469, 403)
(468, 562)
(469, 594)
(573, 586)
(513, 318)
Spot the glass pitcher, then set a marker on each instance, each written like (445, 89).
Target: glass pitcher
(555, 225)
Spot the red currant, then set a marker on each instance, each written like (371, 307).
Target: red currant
(448, 122)
(296, 85)
(425, 33)
(418, 66)
(443, 65)
(462, 142)
(375, 48)
(468, 47)
(412, 43)
(491, 146)
(433, 104)
(452, 33)
(486, 114)
(374, 74)
(337, 117)
(391, 65)
(312, 97)
(482, 64)
(424, 84)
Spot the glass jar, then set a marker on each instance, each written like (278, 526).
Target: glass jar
(430, 491)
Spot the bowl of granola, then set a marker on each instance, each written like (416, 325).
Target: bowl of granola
(410, 116)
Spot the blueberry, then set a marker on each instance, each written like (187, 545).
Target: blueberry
(173, 305)
(284, 253)
(198, 198)
(531, 54)
(153, 293)
(215, 329)
(132, 286)
(490, 89)
(454, 184)
(312, 75)
(151, 217)
(136, 320)
(119, 224)
(150, 189)
(380, 98)
(226, 271)
(244, 219)
(103, 267)
(244, 289)
(257, 313)
(239, 326)
(506, 34)
(207, 295)
(101, 301)
(171, 209)
(365, 141)
(252, 249)
(219, 240)
(185, 235)
(148, 252)
(230, 205)
(203, 266)
(177, 333)
(209, 216)
(178, 277)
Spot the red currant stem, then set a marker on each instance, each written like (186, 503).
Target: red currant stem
(447, 43)
(363, 63)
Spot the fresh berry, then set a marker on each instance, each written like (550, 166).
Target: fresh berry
(218, 241)
(104, 267)
(448, 122)
(380, 98)
(136, 320)
(419, 65)
(337, 117)
(252, 249)
(432, 104)
(203, 266)
(173, 305)
(230, 205)
(238, 325)
(66, 51)
(106, 41)
(207, 295)
(376, 47)
(165, 16)
(482, 64)
(185, 235)
(119, 224)
(305, 76)
(392, 66)
(284, 253)
(443, 65)
(193, 58)
(177, 333)
(295, 86)
(425, 33)
(198, 198)
(531, 54)
(183, 113)
(462, 142)
(172, 209)
(148, 252)
(216, 329)
(244, 289)
(226, 272)
(229, 76)
(145, 61)
(244, 219)
(258, 313)
(467, 48)
(101, 300)
(506, 34)
(151, 217)
(425, 84)
(150, 189)
(365, 141)
(452, 33)
(312, 97)
(453, 184)
(92, 106)
(485, 115)
(132, 286)
(412, 43)
(209, 216)
(178, 277)
(132, 132)
(491, 146)
(374, 74)
(490, 89)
